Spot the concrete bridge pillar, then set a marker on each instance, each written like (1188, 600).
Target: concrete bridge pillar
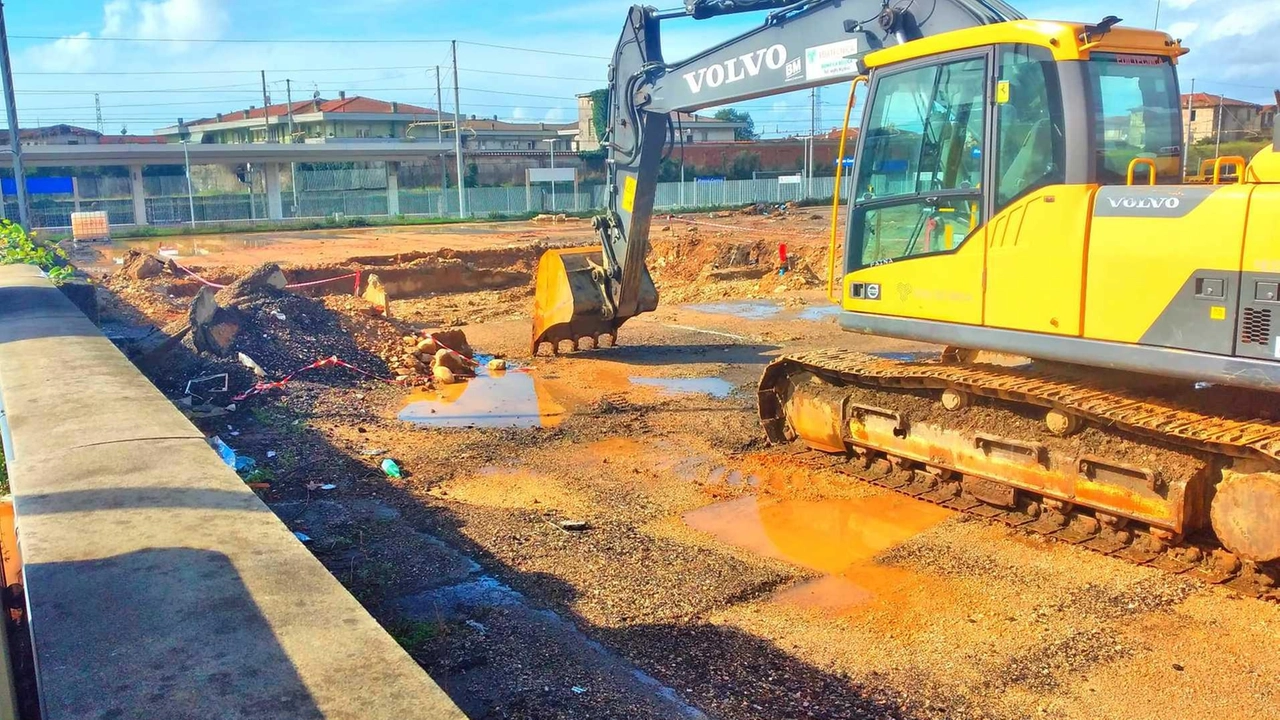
(393, 188)
(275, 208)
(139, 195)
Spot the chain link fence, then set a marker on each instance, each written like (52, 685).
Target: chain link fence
(363, 193)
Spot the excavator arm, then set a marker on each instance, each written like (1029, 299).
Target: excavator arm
(590, 293)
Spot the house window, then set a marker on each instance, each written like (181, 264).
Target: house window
(362, 132)
(1193, 116)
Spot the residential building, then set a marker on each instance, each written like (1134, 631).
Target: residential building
(696, 128)
(497, 135)
(54, 135)
(346, 119)
(1204, 114)
(75, 135)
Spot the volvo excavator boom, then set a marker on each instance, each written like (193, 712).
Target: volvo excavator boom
(590, 293)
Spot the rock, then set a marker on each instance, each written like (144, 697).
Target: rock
(213, 328)
(443, 375)
(455, 340)
(497, 364)
(142, 267)
(408, 341)
(427, 346)
(455, 362)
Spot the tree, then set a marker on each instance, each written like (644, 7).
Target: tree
(748, 129)
(599, 111)
(744, 165)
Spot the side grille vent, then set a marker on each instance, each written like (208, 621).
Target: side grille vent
(1255, 327)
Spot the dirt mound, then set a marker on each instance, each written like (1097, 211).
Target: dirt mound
(281, 333)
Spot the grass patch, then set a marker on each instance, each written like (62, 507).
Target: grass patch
(413, 634)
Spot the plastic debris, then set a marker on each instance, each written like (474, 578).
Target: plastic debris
(302, 536)
(578, 690)
(478, 627)
(271, 453)
(573, 525)
(250, 363)
(391, 469)
(328, 486)
(372, 452)
(245, 464)
(224, 451)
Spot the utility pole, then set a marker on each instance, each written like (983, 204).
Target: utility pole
(11, 110)
(444, 172)
(1157, 25)
(266, 118)
(1217, 145)
(1186, 148)
(457, 134)
(293, 166)
(813, 134)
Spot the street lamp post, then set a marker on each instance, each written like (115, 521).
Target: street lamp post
(552, 141)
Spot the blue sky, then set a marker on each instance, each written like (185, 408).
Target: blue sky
(55, 46)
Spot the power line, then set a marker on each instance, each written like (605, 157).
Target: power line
(228, 72)
(233, 41)
(532, 50)
(306, 41)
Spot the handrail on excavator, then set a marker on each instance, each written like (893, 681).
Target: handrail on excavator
(835, 202)
(1133, 166)
(1235, 160)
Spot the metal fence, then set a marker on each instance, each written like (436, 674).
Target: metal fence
(317, 198)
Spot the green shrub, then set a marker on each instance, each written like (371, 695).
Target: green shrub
(19, 248)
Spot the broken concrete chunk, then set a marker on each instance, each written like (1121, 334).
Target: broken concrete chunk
(143, 267)
(497, 364)
(213, 328)
(454, 339)
(264, 280)
(376, 293)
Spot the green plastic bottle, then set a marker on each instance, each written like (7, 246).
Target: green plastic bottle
(390, 467)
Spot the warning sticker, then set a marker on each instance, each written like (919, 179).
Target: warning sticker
(628, 192)
(831, 60)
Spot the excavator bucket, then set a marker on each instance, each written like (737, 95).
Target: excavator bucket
(569, 302)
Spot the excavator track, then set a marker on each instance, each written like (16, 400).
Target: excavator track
(1117, 508)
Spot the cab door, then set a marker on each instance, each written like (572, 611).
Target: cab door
(914, 232)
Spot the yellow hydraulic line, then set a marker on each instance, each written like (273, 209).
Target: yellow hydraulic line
(835, 202)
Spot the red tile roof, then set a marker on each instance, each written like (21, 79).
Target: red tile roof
(131, 140)
(1200, 100)
(353, 104)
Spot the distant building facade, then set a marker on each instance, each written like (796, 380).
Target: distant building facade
(346, 119)
(1203, 114)
(696, 128)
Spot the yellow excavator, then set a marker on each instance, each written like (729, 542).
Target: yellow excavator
(1017, 192)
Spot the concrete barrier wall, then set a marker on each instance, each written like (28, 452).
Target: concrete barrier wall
(158, 585)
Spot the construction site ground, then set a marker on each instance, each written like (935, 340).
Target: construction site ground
(606, 535)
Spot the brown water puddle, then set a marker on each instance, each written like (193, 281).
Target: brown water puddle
(513, 398)
(838, 537)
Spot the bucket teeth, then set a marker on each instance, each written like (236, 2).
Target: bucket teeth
(579, 343)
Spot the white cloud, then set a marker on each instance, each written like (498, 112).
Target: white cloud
(1183, 29)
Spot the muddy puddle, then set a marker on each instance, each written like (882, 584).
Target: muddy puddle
(767, 310)
(497, 399)
(715, 387)
(837, 537)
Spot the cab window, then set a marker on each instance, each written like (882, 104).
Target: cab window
(1030, 148)
(920, 171)
(1136, 114)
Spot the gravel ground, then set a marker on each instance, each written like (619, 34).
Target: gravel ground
(858, 606)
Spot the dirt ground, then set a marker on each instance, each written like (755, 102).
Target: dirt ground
(606, 535)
